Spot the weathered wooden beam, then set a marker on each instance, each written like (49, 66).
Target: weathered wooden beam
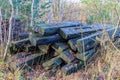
(73, 43)
(73, 32)
(72, 68)
(46, 40)
(53, 63)
(30, 48)
(85, 56)
(60, 47)
(67, 56)
(34, 34)
(18, 56)
(86, 45)
(23, 63)
(44, 48)
(24, 35)
(30, 60)
(50, 29)
(88, 42)
(18, 46)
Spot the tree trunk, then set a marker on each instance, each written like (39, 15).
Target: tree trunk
(50, 15)
(1, 39)
(10, 30)
(32, 14)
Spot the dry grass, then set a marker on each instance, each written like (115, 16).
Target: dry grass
(106, 66)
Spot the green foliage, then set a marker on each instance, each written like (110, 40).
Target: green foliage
(46, 5)
(24, 10)
(86, 1)
(100, 12)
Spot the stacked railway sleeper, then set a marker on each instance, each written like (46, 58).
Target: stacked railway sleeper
(66, 46)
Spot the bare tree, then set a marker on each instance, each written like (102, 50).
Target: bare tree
(32, 13)
(60, 10)
(50, 15)
(17, 9)
(1, 39)
(10, 29)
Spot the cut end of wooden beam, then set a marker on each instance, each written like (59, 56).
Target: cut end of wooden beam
(60, 47)
(67, 56)
(72, 46)
(85, 56)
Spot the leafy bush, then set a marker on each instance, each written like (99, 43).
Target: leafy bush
(98, 12)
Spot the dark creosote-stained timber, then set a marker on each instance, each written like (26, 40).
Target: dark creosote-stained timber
(60, 47)
(23, 63)
(66, 46)
(53, 63)
(73, 42)
(34, 34)
(46, 40)
(88, 42)
(30, 48)
(72, 68)
(18, 46)
(24, 35)
(44, 48)
(30, 60)
(50, 29)
(85, 56)
(73, 32)
(67, 56)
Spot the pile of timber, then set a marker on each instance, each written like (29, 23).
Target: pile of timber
(66, 45)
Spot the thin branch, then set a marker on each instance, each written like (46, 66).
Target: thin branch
(118, 23)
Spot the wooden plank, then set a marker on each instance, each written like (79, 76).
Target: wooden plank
(44, 48)
(30, 60)
(88, 42)
(73, 43)
(23, 63)
(73, 32)
(86, 45)
(46, 40)
(85, 56)
(18, 46)
(24, 35)
(60, 47)
(72, 68)
(50, 29)
(67, 56)
(34, 34)
(53, 63)
(30, 48)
